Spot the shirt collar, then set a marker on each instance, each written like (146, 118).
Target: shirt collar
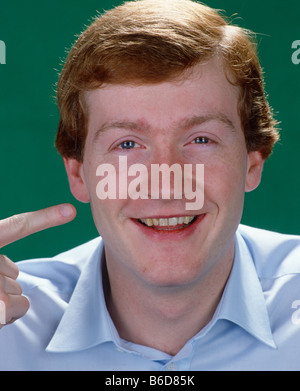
(87, 323)
(243, 300)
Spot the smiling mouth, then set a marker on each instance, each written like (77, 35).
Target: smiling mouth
(168, 224)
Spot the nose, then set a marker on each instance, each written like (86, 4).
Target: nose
(165, 176)
(166, 173)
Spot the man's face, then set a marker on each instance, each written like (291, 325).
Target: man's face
(192, 121)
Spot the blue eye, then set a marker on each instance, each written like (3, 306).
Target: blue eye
(201, 140)
(128, 144)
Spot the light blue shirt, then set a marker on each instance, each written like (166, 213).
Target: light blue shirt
(255, 327)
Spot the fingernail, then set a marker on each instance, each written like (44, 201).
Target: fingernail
(66, 210)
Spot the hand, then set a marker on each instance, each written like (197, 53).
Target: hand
(12, 304)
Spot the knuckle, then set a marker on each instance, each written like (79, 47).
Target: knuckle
(3, 287)
(19, 223)
(2, 284)
(8, 267)
(19, 289)
(26, 304)
(14, 270)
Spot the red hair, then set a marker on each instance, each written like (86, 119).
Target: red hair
(150, 41)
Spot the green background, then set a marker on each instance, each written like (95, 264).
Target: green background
(37, 34)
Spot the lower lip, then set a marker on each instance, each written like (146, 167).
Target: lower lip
(169, 234)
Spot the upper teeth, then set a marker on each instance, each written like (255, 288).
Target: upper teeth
(171, 221)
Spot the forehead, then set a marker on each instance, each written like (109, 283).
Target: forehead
(203, 90)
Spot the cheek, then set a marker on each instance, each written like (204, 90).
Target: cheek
(104, 211)
(107, 216)
(225, 181)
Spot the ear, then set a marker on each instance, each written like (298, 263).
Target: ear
(254, 170)
(78, 187)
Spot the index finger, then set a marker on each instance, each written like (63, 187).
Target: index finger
(19, 226)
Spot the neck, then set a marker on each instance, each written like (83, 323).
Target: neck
(164, 318)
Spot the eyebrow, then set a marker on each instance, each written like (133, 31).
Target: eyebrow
(185, 124)
(127, 125)
(201, 119)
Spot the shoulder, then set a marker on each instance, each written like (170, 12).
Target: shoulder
(60, 272)
(277, 261)
(49, 285)
(274, 254)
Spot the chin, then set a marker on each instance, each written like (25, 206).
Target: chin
(170, 273)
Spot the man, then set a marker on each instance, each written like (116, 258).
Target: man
(158, 82)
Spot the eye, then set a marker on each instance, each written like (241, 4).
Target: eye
(201, 140)
(128, 144)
